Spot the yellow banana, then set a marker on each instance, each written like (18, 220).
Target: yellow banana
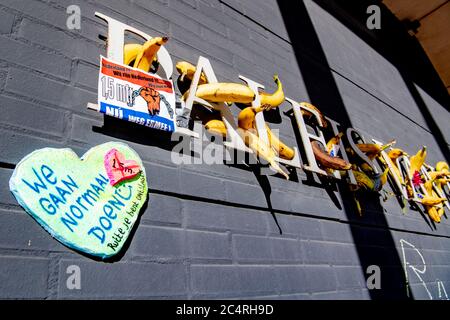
(442, 166)
(433, 213)
(332, 143)
(438, 174)
(130, 52)
(147, 53)
(417, 160)
(309, 114)
(409, 191)
(394, 153)
(428, 185)
(276, 98)
(383, 177)
(283, 150)
(216, 126)
(235, 92)
(366, 168)
(363, 180)
(246, 118)
(358, 205)
(221, 92)
(395, 172)
(261, 149)
(187, 70)
(440, 182)
(440, 212)
(432, 200)
(372, 150)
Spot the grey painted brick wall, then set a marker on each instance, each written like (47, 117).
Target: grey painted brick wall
(219, 231)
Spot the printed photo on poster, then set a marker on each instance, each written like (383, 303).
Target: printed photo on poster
(136, 96)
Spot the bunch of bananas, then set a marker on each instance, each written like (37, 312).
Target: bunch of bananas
(246, 121)
(241, 93)
(432, 202)
(261, 149)
(143, 56)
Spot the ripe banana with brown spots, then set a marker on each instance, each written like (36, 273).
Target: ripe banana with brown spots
(328, 161)
(309, 114)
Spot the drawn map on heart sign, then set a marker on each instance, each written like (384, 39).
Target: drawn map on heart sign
(74, 201)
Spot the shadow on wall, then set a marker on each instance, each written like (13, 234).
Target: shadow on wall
(323, 92)
(403, 51)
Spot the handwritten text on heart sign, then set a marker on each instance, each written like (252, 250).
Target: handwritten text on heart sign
(46, 179)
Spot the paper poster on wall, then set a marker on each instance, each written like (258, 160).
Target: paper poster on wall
(134, 95)
(75, 200)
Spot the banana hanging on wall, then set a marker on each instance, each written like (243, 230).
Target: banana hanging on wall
(143, 56)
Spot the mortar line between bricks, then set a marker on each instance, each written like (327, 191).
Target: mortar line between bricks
(253, 20)
(305, 215)
(36, 72)
(34, 133)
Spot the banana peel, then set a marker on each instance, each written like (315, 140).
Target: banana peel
(261, 149)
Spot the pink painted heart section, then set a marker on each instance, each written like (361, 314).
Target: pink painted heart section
(118, 168)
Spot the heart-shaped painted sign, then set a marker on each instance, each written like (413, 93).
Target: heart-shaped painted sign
(74, 201)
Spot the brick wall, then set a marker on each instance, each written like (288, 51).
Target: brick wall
(218, 231)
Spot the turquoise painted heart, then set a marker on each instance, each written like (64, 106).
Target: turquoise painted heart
(74, 201)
